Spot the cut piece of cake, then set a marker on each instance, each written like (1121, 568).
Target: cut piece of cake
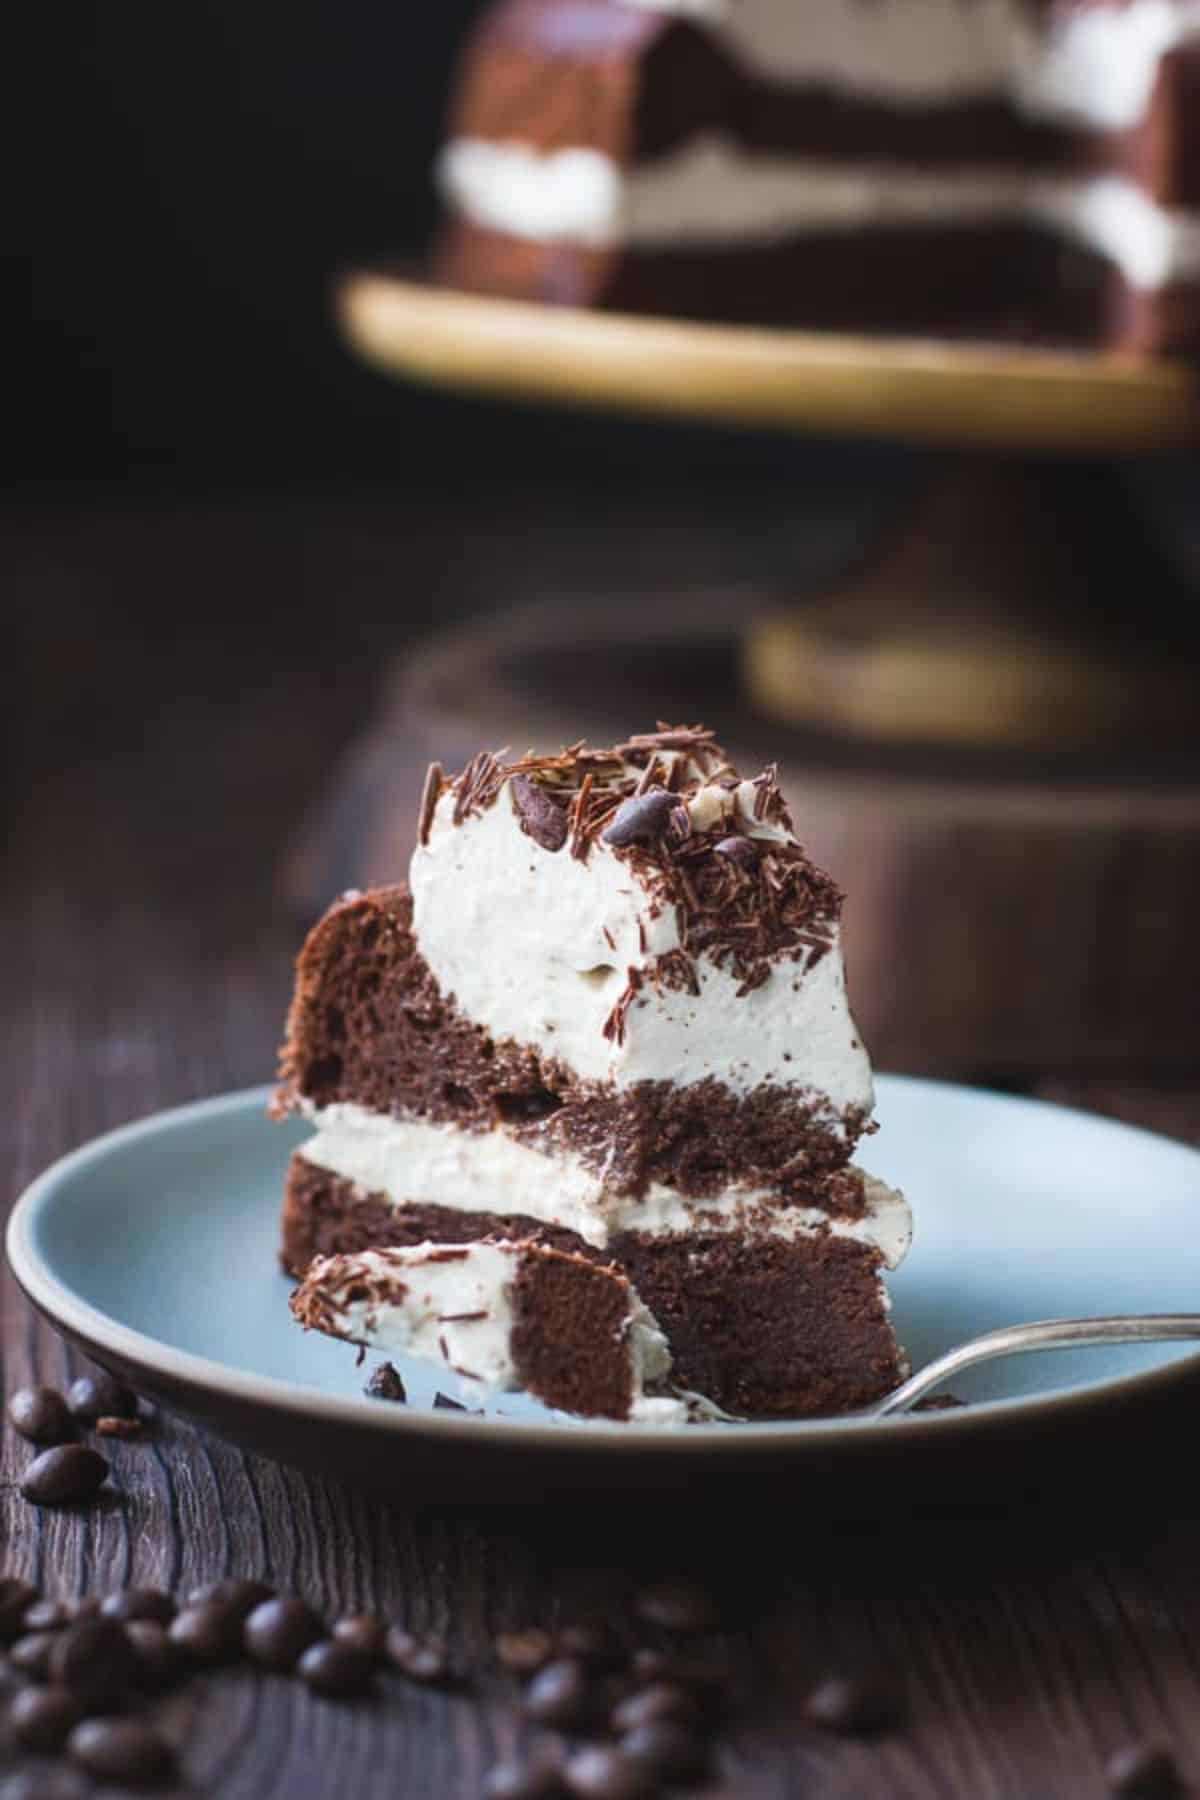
(502, 1317)
(998, 168)
(611, 1012)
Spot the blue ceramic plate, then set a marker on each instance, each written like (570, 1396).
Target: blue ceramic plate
(154, 1248)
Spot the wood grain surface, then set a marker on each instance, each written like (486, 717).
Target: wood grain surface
(170, 705)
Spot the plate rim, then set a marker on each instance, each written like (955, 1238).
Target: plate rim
(81, 1321)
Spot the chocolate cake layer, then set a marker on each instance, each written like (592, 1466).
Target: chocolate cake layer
(369, 1026)
(568, 1317)
(1015, 283)
(766, 1328)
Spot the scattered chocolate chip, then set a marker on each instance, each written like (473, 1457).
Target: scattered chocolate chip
(666, 1749)
(443, 1403)
(662, 1700)
(160, 1661)
(210, 1633)
(537, 1780)
(119, 1428)
(40, 1414)
(42, 1717)
(593, 1643)
(364, 1631)
(558, 1694)
(139, 1603)
(16, 1597)
(99, 1396)
(385, 1384)
(1143, 1772)
(31, 1654)
(65, 1476)
(48, 1615)
(740, 850)
(640, 819)
(278, 1632)
(238, 1597)
(676, 1606)
(336, 1669)
(95, 1656)
(855, 1705)
(524, 1652)
(120, 1750)
(421, 1659)
(600, 1773)
(542, 818)
(937, 1403)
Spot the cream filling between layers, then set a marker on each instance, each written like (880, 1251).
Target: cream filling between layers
(1091, 64)
(417, 1162)
(459, 1313)
(712, 193)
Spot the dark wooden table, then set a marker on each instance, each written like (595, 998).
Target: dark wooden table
(179, 680)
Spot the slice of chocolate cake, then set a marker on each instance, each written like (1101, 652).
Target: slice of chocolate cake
(502, 1317)
(611, 1011)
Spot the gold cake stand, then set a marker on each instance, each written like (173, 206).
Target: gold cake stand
(988, 723)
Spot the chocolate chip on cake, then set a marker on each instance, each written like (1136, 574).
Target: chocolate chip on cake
(640, 819)
(120, 1749)
(740, 850)
(100, 1396)
(854, 1705)
(558, 1694)
(40, 1414)
(278, 1632)
(677, 1606)
(524, 1652)
(338, 1670)
(68, 1475)
(1143, 1772)
(542, 818)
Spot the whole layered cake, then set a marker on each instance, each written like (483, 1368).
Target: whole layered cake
(1005, 168)
(608, 1014)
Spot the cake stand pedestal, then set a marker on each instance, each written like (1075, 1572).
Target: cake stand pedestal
(988, 727)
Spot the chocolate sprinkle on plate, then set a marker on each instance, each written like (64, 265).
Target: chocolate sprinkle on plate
(385, 1384)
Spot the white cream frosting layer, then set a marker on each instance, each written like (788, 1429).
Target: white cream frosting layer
(712, 192)
(1090, 65)
(418, 1162)
(458, 1312)
(536, 945)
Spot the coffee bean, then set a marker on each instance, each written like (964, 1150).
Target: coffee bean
(523, 1652)
(95, 1656)
(336, 1669)
(46, 1784)
(1143, 1772)
(100, 1396)
(558, 1694)
(537, 1780)
(160, 1662)
(593, 1643)
(676, 1606)
(662, 1700)
(238, 1597)
(278, 1632)
(385, 1384)
(42, 1717)
(16, 1597)
(740, 850)
(640, 819)
(853, 1705)
(210, 1633)
(40, 1414)
(599, 1773)
(667, 1749)
(364, 1631)
(139, 1603)
(120, 1750)
(64, 1476)
(48, 1615)
(31, 1654)
(421, 1659)
(542, 818)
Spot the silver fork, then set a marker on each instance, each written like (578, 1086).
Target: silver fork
(1041, 1334)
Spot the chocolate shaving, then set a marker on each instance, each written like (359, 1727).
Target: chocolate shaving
(614, 1026)
(435, 780)
(459, 1318)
